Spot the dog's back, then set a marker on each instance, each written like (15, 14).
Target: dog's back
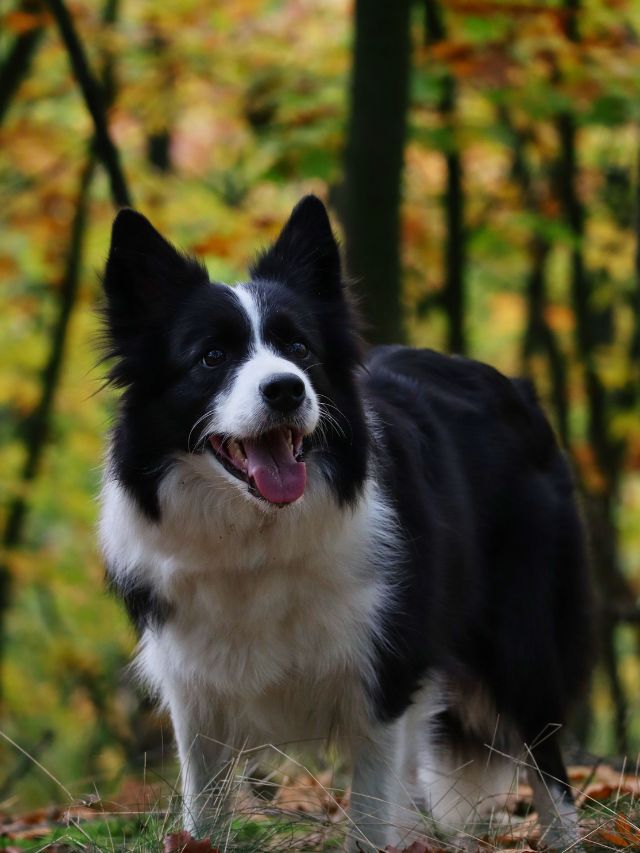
(487, 501)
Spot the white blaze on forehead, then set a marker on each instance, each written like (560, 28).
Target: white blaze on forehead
(241, 411)
(249, 302)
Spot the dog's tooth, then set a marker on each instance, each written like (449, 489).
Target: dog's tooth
(235, 450)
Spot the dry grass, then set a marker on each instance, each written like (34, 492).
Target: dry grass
(285, 806)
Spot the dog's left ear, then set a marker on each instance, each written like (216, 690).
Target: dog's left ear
(306, 253)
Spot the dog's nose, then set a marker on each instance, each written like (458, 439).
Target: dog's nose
(283, 392)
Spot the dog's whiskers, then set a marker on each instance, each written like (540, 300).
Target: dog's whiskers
(207, 415)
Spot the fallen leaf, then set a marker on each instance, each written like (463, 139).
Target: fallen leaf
(523, 830)
(184, 842)
(311, 795)
(26, 834)
(623, 833)
(517, 850)
(39, 816)
(604, 791)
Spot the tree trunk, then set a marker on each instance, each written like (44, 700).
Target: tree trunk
(453, 292)
(539, 336)
(374, 161)
(612, 586)
(159, 137)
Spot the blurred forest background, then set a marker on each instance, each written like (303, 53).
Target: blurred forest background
(481, 159)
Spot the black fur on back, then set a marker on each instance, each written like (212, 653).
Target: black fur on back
(495, 587)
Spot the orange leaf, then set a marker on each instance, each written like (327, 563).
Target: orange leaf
(560, 318)
(599, 790)
(22, 22)
(214, 244)
(622, 834)
(605, 790)
(452, 51)
(26, 834)
(184, 842)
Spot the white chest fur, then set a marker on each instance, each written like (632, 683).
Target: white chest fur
(269, 608)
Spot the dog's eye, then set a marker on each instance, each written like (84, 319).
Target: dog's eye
(298, 349)
(213, 358)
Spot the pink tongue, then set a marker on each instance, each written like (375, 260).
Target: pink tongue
(271, 464)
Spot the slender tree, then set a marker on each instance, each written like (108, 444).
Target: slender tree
(374, 160)
(608, 450)
(453, 292)
(159, 136)
(539, 336)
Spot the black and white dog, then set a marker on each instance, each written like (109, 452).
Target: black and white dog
(315, 543)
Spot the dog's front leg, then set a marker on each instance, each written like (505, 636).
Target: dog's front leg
(204, 766)
(375, 789)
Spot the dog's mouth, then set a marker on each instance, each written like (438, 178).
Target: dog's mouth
(270, 463)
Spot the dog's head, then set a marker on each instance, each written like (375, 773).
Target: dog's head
(260, 377)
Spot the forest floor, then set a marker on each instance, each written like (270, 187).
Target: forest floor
(302, 812)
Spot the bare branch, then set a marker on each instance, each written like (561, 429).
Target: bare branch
(95, 100)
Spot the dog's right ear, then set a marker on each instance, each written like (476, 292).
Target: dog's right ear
(145, 276)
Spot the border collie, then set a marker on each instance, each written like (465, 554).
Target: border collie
(378, 548)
